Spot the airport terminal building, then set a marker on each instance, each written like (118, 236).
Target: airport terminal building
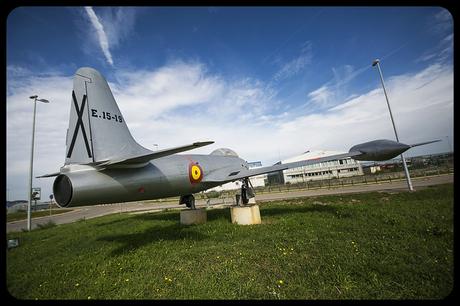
(339, 168)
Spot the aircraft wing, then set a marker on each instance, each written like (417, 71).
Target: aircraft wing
(423, 143)
(101, 165)
(227, 175)
(149, 156)
(376, 150)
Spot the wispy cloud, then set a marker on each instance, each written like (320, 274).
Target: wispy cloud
(422, 105)
(440, 52)
(295, 65)
(442, 21)
(118, 23)
(101, 35)
(321, 95)
(335, 91)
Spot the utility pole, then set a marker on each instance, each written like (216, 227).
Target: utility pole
(406, 171)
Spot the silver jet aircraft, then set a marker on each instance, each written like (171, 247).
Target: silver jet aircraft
(104, 164)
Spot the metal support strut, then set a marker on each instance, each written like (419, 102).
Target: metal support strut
(188, 200)
(247, 191)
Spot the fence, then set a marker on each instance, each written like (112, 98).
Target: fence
(335, 182)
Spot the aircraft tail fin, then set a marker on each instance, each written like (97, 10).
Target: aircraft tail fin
(97, 130)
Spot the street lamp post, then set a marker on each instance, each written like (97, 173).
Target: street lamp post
(406, 171)
(448, 143)
(29, 223)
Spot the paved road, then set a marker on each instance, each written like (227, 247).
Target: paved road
(88, 212)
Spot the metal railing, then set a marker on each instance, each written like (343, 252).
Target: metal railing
(338, 182)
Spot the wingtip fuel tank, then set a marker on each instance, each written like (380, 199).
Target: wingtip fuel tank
(379, 150)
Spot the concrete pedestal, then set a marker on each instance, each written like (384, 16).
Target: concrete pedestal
(193, 216)
(245, 215)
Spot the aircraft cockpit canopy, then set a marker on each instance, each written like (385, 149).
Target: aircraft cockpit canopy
(224, 152)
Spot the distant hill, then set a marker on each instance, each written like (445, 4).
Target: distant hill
(11, 203)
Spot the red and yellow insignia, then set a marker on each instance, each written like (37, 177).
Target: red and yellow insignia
(195, 173)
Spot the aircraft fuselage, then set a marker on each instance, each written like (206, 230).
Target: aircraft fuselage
(80, 185)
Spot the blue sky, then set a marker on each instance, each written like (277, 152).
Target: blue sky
(268, 82)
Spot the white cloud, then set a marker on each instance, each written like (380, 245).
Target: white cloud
(186, 93)
(51, 124)
(118, 23)
(101, 35)
(321, 95)
(183, 102)
(442, 21)
(169, 87)
(343, 74)
(336, 90)
(295, 65)
(440, 52)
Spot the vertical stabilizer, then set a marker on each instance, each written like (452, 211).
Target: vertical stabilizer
(97, 130)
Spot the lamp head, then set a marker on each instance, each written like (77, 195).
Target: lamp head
(375, 62)
(33, 97)
(43, 100)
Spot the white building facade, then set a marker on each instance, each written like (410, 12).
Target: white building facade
(345, 167)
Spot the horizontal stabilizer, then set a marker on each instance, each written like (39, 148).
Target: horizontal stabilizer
(48, 175)
(153, 155)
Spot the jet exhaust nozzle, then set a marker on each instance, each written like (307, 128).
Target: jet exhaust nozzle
(62, 190)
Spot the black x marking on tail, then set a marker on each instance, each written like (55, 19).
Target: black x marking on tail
(78, 125)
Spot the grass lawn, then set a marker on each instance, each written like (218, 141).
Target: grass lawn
(360, 246)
